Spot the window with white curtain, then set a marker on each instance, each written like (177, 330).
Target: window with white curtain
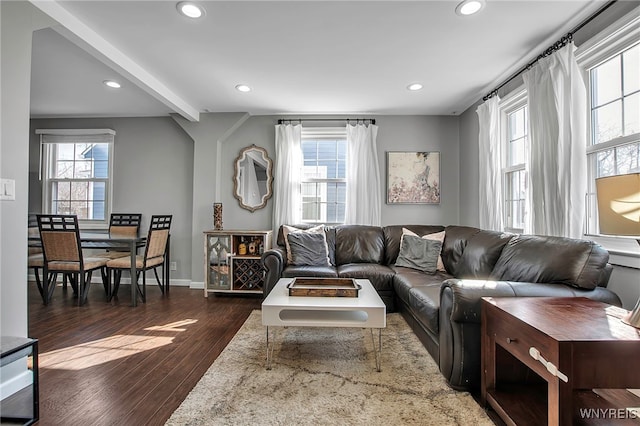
(514, 119)
(77, 172)
(324, 179)
(612, 66)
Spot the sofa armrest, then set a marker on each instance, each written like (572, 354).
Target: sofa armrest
(274, 261)
(466, 294)
(459, 320)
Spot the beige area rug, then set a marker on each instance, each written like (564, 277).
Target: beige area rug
(324, 376)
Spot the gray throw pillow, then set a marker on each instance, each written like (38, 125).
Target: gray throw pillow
(419, 253)
(308, 249)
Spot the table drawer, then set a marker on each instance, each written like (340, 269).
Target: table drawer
(517, 338)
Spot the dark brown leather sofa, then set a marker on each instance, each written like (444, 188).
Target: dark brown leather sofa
(443, 309)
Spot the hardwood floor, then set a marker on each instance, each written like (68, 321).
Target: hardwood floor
(111, 364)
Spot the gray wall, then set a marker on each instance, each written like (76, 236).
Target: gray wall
(18, 21)
(153, 174)
(469, 168)
(219, 138)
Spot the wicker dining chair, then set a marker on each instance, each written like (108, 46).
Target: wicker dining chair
(35, 260)
(62, 253)
(154, 257)
(125, 224)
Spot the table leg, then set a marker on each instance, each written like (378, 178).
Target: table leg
(270, 345)
(134, 281)
(377, 348)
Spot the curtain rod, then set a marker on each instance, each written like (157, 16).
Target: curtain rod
(300, 120)
(568, 38)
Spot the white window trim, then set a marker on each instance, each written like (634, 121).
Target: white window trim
(619, 36)
(516, 99)
(74, 133)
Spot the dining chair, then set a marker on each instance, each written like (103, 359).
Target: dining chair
(62, 253)
(124, 224)
(153, 257)
(35, 260)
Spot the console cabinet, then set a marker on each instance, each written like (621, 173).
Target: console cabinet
(232, 261)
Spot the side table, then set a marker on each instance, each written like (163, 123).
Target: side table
(559, 361)
(22, 406)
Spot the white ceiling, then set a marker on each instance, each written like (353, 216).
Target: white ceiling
(300, 57)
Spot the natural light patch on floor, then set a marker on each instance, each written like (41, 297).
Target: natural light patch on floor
(174, 326)
(101, 351)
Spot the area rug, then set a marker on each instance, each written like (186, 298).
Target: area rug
(326, 376)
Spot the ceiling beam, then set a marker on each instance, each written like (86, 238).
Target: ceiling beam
(87, 39)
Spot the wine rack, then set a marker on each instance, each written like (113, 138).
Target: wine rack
(232, 261)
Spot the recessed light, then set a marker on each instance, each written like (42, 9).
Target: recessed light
(469, 7)
(414, 87)
(112, 84)
(243, 88)
(190, 10)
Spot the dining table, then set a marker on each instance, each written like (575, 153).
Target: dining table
(112, 241)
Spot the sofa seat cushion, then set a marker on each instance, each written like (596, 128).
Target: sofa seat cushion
(310, 271)
(406, 278)
(381, 276)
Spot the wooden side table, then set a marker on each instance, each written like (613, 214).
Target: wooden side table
(559, 361)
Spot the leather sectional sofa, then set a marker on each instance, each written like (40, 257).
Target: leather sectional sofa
(443, 309)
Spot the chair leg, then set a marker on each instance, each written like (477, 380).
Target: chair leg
(161, 285)
(50, 286)
(73, 281)
(38, 282)
(106, 281)
(81, 286)
(117, 275)
(144, 287)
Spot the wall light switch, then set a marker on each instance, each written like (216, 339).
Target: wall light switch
(7, 189)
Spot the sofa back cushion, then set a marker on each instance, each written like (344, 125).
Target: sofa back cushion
(359, 244)
(555, 260)
(455, 241)
(481, 253)
(329, 231)
(393, 234)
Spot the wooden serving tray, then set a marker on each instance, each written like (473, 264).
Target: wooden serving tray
(323, 287)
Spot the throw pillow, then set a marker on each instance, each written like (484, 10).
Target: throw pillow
(437, 236)
(286, 230)
(419, 253)
(308, 249)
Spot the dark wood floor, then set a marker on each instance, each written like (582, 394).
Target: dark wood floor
(111, 364)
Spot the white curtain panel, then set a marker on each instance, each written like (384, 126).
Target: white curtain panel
(364, 206)
(558, 141)
(490, 174)
(287, 175)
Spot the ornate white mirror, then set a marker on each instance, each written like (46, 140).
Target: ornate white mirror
(252, 178)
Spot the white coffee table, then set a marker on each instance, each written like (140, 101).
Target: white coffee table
(365, 311)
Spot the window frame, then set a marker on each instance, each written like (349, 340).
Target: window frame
(612, 41)
(516, 100)
(319, 133)
(53, 137)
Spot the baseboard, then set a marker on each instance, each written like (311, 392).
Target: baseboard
(197, 285)
(97, 279)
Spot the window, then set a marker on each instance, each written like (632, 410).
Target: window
(324, 175)
(514, 119)
(614, 94)
(76, 172)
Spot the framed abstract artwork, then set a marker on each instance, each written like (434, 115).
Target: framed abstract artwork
(413, 177)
